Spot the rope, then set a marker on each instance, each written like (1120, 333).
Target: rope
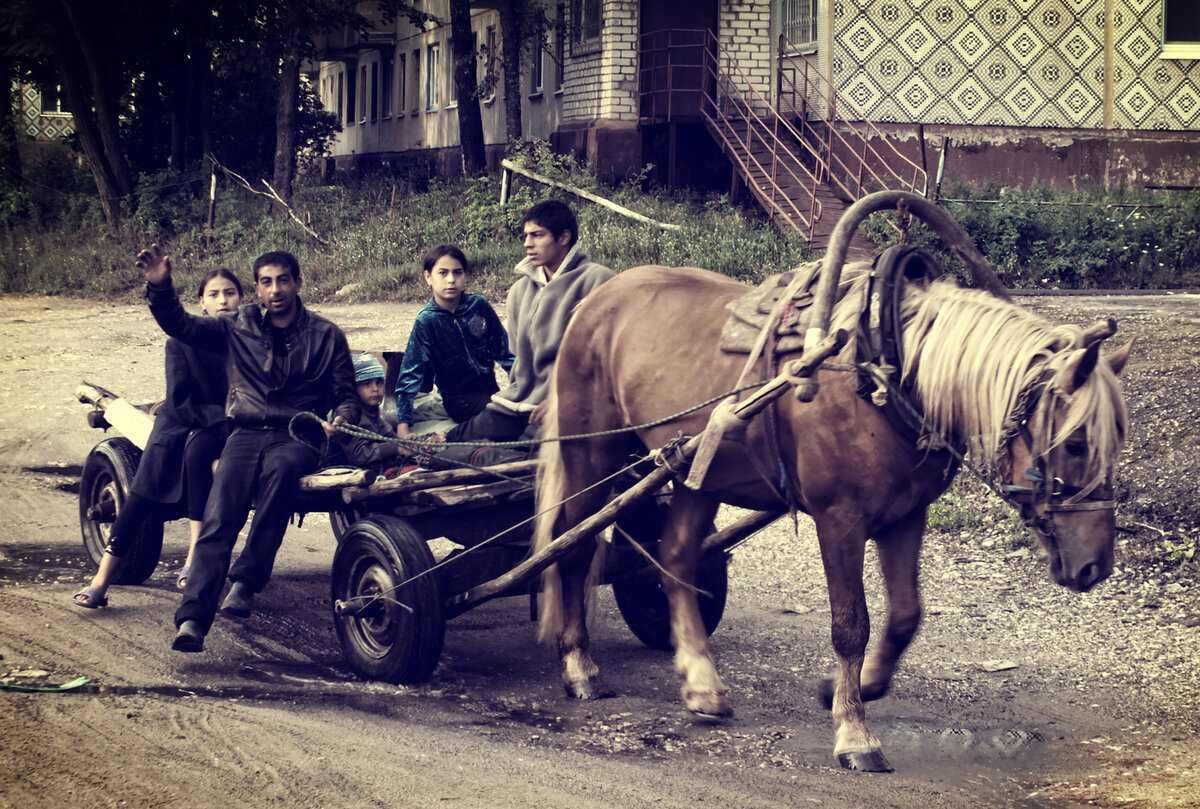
(384, 593)
(355, 431)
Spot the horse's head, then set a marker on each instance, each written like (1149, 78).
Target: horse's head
(1068, 434)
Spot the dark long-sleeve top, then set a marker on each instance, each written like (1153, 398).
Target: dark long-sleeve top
(456, 350)
(366, 453)
(273, 373)
(196, 393)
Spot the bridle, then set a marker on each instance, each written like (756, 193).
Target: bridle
(1032, 420)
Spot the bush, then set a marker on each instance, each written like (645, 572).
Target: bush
(1043, 239)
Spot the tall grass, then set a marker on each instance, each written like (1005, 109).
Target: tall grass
(377, 229)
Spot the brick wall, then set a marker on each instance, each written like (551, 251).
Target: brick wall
(602, 83)
(746, 38)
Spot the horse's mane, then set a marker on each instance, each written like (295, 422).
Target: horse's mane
(969, 356)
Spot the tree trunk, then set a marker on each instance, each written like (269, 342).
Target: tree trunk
(512, 36)
(104, 97)
(470, 120)
(10, 157)
(285, 124)
(79, 95)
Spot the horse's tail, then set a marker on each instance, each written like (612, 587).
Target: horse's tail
(551, 488)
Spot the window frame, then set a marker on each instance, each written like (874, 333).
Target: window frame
(432, 63)
(587, 40)
(402, 84)
(1177, 49)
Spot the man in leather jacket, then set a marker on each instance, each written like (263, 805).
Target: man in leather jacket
(281, 360)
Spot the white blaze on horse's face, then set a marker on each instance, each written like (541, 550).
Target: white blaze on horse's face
(1072, 507)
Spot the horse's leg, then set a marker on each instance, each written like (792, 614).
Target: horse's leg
(842, 539)
(899, 549)
(679, 551)
(583, 462)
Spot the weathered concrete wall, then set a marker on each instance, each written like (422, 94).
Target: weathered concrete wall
(1069, 159)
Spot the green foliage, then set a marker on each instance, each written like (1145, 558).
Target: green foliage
(1047, 239)
(969, 507)
(376, 245)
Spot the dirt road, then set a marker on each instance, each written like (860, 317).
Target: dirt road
(1094, 702)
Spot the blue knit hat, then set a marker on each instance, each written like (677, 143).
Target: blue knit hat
(366, 368)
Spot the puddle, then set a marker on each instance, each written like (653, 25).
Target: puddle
(966, 742)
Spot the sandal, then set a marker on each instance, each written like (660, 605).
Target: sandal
(182, 579)
(89, 598)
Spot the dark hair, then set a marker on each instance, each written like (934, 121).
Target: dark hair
(441, 251)
(219, 272)
(278, 258)
(555, 216)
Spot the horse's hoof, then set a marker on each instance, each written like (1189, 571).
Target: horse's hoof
(709, 706)
(587, 690)
(825, 693)
(870, 761)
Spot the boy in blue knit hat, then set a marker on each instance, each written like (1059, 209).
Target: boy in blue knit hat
(456, 343)
(368, 381)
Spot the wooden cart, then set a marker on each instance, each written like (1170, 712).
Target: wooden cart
(392, 630)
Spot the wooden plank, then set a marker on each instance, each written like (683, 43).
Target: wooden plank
(450, 496)
(415, 481)
(589, 196)
(331, 480)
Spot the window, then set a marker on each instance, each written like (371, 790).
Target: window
(53, 99)
(585, 24)
(362, 93)
(402, 83)
(560, 38)
(535, 69)
(489, 64)
(374, 91)
(452, 99)
(338, 110)
(385, 92)
(416, 79)
(350, 95)
(798, 24)
(1181, 30)
(432, 96)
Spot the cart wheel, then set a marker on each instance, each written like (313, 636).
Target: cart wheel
(384, 641)
(341, 520)
(103, 488)
(640, 597)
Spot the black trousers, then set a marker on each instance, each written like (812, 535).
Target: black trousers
(202, 448)
(259, 467)
(490, 425)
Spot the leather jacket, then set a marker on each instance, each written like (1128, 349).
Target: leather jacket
(314, 373)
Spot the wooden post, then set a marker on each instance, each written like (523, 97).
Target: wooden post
(212, 200)
(941, 171)
(924, 163)
(504, 175)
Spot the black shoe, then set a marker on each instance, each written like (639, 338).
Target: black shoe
(239, 601)
(189, 638)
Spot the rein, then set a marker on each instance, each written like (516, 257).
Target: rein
(1025, 499)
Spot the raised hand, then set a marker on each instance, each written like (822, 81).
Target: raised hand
(155, 266)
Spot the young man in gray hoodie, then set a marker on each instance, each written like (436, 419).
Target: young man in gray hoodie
(555, 276)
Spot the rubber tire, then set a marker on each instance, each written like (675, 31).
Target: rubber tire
(341, 520)
(388, 643)
(108, 473)
(641, 599)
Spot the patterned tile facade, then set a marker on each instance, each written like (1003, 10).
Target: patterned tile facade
(1151, 93)
(38, 125)
(1009, 63)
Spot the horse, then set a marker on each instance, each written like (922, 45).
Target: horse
(1034, 404)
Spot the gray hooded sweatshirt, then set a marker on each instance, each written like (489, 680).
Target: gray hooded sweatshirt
(538, 313)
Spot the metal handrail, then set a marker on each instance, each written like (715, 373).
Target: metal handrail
(920, 177)
(769, 135)
(735, 93)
